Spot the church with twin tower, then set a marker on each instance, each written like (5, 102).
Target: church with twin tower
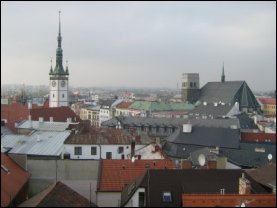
(58, 77)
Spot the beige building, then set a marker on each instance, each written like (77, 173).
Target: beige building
(92, 114)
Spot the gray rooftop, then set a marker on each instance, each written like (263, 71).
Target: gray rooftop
(47, 143)
(229, 92)
(43, 126)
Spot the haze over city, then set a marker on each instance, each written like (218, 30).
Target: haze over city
(140, 44)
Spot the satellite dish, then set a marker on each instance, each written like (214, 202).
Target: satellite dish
(269, 157)
(201, 159)
(133, 159)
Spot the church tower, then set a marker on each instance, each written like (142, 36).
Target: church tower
(190, 87)
(58, 77)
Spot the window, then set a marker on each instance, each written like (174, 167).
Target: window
(63, 95)
(53, 95)
(93, 150)
(191, 84)
(108, 155)
(141, 199)
(120, 150)
(78, 150)
(167, 197)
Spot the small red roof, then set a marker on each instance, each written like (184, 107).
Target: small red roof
(59, 114)
(14, 113)
(258, 137)
(13, 178)
(270, 101)
(115, 174)
(123, 105)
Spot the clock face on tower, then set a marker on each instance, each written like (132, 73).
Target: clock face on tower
(63, 83)
(53, 83)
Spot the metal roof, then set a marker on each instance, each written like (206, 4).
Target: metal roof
(48, 143)
(44, 126)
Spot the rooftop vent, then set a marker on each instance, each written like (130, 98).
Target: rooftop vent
(187, 128)
(215, 104)
(204, 103)
(234, 127)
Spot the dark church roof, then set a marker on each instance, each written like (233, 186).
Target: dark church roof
(229, 93)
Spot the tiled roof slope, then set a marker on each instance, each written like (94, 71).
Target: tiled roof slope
(11, 181)
(100, 136)
(115, 174)
(58, 195)
(59, 114)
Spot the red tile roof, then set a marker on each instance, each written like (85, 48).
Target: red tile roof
(258, 137)
(228, 200)
(270, 101)
(58, 195)
(14, 113)
(123, 105)
(12, 181)
(59, 114)
(115, 174)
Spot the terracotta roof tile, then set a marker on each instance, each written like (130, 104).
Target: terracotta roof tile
(115, 174)
(59, 114)
(270, 101)
(12, 181)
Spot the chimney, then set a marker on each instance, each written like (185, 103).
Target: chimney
(69, 120)
(29, 117)
(51, 119)
(40, 119)
(186, 164)
(133, 146)
(244, 185)
(187, 128)
(212, 164)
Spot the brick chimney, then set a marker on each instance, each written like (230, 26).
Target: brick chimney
(244, 185)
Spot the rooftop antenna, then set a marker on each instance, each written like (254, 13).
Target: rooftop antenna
(269, 157)
(201, 159)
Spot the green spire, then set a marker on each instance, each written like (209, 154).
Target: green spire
(59, 70)
(66, 68)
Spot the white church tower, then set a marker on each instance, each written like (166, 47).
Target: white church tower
(58, 78)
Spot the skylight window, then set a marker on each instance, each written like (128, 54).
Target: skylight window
(167, 197)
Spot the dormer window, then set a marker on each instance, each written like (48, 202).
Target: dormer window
(167, 196)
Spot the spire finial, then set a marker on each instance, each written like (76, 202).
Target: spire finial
(223, 74)
(59, 22)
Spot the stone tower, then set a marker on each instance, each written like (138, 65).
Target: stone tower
(190, 87)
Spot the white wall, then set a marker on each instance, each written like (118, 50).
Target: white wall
(86, 151)
(108, 199)
(134, 200)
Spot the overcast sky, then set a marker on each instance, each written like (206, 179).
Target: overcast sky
(140, 44)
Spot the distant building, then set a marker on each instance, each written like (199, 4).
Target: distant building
(225, 93)
(268, 106)
(58, 78)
